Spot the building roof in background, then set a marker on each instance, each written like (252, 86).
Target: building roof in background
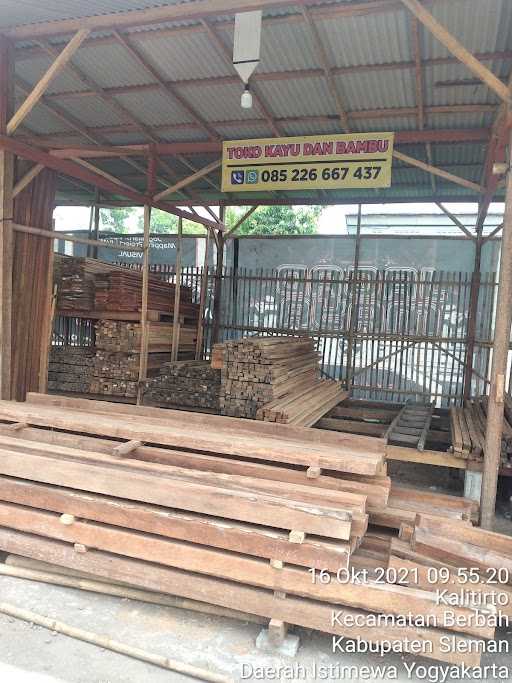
(419, 223)
(189, 91)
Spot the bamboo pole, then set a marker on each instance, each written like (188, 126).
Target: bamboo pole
(202, 300)
(110, 644)
(495, 408)
(177, 297)
(143, 361)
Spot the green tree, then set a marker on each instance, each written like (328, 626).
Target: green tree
(114, 220)
(276, 220)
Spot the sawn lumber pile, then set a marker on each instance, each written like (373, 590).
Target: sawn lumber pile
(226, 511)
(468, 425)
(70, 369)
(88, 286)
(275, 379)
(125, 337)
(185, 384)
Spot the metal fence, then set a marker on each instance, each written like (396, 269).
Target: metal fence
(393, 334)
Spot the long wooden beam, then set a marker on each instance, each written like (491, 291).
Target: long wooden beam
(189, 179)
(231, 232)
(456, 221)
(41, 86)
(211, 147)
(458, 50)
(27, 179)
(438, 171)
(75, 171)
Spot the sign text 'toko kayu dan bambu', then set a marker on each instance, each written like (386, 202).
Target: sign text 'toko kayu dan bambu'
(308, 163)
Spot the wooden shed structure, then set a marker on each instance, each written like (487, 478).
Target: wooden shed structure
(127, 102)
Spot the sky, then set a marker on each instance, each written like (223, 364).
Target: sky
(332, 220)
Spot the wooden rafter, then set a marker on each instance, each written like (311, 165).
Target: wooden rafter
(61, 60)
(456, 221)
(420, 99)
(25, 181)
(74, 170)
(437, 171)
(117, 107)
(324, 61)
(231, 232)
(190, 179)
(458, 50)
(165, 86)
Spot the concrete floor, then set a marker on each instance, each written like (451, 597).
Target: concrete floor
(217, 644)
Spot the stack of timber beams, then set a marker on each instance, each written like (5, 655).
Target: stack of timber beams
(468, 427)
(70, 369)
(94, 289)
(117, 359)
(456, 558)
(226, 511)
(275, 379)
(185, 384)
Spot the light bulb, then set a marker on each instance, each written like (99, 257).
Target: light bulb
(246, 99)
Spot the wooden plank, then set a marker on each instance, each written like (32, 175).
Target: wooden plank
(177, 295)
(53, 71)
(468, 534)
(352, 426)
(186, 435)
(458, 552)
(426, 457)
(25, 181)
(376, 489)
(239, 505)
(238, 537)
(387, 598)
(226, 594)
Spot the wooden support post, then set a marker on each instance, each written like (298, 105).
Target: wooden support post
(6, 216)
(353, 297)
(177, 297)
(499, 366)
(143, 361)
(218, 282)
(473, 311)
(202, 299)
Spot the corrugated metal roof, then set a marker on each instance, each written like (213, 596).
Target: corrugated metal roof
(287, 46)
(20, 12)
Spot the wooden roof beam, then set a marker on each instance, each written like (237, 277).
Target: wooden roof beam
(324, 61)
(458, 50)
(60, 62)
(190, 179)
(74, 170)
(468, 184)
(27, 179)
(456, 221)
(165, 86)
(188, 148)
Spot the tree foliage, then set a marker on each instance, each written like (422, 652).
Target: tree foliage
(276, 220)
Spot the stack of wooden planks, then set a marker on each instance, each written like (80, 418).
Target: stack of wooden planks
(70, 369)
(468, 425)
(185, 384)
(125, 337)
(231, 512)
(275, 379)
(91, 288)
(453, 557)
